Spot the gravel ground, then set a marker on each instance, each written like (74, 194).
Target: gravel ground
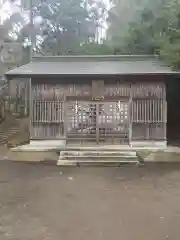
(44, 202)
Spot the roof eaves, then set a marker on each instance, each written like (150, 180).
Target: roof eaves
(89, 58)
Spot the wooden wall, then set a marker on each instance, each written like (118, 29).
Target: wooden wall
(148, 110)
(19, 96)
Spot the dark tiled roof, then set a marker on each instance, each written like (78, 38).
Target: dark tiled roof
(92, 65)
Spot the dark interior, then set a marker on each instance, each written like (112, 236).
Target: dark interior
(173, 114)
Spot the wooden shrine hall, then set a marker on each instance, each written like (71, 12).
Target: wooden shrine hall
(95, 99)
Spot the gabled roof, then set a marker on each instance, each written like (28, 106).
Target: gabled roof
(92, 65)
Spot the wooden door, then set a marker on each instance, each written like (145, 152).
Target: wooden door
(97, 121)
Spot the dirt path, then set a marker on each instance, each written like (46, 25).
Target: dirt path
(42, 202)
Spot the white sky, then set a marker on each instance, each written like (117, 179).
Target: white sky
(6, 10)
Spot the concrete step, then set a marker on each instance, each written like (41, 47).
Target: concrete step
(107, 148)
(98, 153)
(99, 162)
(112, 158)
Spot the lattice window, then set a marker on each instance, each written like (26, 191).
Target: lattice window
(149, 111)
(48, 111)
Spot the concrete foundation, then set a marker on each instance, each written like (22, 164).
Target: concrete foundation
(48, 150)
(41, 146)
(170, 154)
(33, 156)
(148, 144)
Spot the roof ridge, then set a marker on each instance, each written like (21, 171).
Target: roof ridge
(89, 58)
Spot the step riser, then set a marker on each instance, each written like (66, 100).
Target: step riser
(100, 158)
(95, 157)
(96, 154)
(97, 149)
(96, 163)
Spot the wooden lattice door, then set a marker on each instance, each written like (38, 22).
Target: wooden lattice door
(113, 121)
(97, 121)
(80, 121)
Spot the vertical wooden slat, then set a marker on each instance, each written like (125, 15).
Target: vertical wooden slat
(46, 110)
(165, 119)
(158, 105)
(157, 111)
(50, 113)
(137, 107)
(65, 123)
(145, 111)
(26, 98)
(154, 106)
(59, 111)
(140, 117)
(162, 111)
(55, 112)
(30, 108)
(130, 118)
(43, 113)
(35, 111)
(151, 113)
(153, 110)
(97, 123)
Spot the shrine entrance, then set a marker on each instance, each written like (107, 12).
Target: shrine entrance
(97, 121)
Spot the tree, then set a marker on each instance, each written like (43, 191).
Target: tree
(155, 31)
(66, 25)
(60, 26)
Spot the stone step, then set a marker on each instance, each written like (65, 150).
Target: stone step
(97, 158)
(98, 153)
(99, 148)
(99, 162)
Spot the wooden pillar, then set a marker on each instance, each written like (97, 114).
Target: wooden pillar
(130, 119)
(26, 107)
(65, 122)
(30, 108)
(165, 120)
(97, 94)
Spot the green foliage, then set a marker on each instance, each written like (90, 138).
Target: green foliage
(135, 27)
(66, 27)
(154, 30)
(96, 49)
